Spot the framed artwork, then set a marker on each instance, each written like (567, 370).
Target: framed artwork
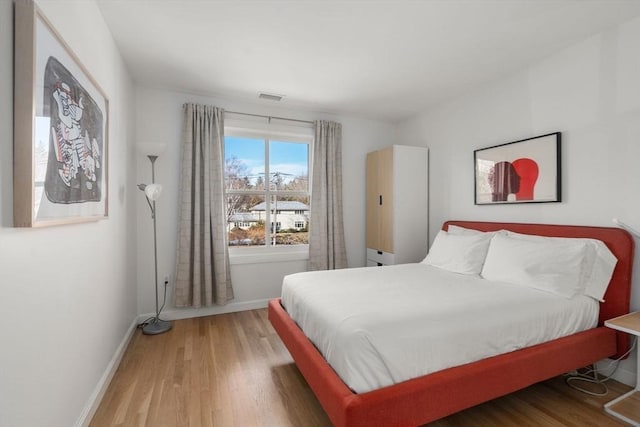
(61, 118)
(525, 171)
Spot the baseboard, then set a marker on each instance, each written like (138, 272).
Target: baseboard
(622, 373)
(625, 377)
(96, 397)
(188, 313)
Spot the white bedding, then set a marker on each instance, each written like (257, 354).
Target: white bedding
(380, 326)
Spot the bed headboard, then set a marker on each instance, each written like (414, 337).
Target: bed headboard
(618, 296)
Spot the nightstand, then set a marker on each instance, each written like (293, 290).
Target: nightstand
(627, 406)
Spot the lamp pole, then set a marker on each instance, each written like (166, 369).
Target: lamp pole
(155, 234)
(155, 325)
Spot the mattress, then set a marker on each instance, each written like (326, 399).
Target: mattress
(381, 326)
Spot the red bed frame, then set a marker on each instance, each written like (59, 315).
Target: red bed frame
(434, 396)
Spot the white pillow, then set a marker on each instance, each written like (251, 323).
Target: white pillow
(457, 230)
(602, 265)
(549, 265)
(597, 267)
(459, 254)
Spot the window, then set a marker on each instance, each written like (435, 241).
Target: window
(267, 182)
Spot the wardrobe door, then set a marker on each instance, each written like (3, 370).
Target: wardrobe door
(386, 200)
(372, 221)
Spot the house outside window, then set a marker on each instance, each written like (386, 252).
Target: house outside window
(267, 182)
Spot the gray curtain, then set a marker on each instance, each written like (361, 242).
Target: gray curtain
(326, 231)
(203, 276)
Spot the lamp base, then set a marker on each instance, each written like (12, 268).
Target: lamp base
(156, 326)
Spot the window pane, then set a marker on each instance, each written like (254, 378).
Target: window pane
(244, 164)
(267, 204)
(290, 215)
(245, 222)
(289, 165)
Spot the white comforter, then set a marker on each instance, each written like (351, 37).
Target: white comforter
(380, 326)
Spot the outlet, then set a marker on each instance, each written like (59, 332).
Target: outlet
(166, 280)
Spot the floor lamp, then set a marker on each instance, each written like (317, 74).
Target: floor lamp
(154, 325)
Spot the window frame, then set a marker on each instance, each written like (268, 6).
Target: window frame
(280, 133)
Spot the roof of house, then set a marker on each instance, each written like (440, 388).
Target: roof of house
(242, 217)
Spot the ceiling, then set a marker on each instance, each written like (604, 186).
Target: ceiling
(381, 59)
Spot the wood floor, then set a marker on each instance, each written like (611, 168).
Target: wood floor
(232, 370)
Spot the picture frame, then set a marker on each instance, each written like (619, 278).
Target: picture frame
(524, 171)
(61, 122)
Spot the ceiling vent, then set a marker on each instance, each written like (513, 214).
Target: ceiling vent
(271, 97)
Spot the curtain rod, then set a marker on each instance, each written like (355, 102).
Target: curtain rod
(269, 117)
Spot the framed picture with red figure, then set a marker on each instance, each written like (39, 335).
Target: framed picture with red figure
(524, 171)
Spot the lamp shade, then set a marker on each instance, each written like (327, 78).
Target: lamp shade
(153, 191)
(151, 148)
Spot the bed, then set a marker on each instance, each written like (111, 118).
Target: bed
(437, 394)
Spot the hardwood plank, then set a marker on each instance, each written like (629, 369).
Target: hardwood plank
(232, 370)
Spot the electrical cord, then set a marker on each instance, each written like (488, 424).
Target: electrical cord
(586, 378)
(145, 322)
(164, 301)
(591, 375)
(164, 298)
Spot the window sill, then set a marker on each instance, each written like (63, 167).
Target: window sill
(261, 255)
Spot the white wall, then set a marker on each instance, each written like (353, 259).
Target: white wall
(68, 292)
(591, 93)
(159, 119)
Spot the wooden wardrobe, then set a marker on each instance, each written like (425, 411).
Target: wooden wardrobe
(397, 205)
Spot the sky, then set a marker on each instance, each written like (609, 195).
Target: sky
(285, 157)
